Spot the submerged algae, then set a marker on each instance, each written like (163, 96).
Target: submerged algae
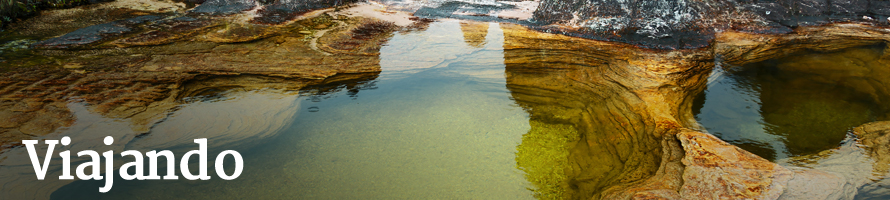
(543, 156)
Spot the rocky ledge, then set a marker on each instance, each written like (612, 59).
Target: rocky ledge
(627, 96)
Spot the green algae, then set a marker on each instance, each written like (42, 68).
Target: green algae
(543, 156)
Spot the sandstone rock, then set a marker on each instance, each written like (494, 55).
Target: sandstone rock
(167, 31)
(12, 119)
(718, 170)
(876, 137)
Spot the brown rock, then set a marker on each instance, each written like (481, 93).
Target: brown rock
(10, 138)
(47, 120)
(12, 119)
(718, 170)
(27, 105)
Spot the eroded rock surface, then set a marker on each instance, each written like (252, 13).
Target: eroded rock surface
(718, 170)
(627, 110)
(133, 65)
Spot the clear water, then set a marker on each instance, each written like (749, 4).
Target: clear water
(444, 127)
(794, 106)
(448, 119)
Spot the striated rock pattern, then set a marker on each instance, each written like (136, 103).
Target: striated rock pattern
(625, 149)
(134, 68)
(601, 89)
(620, 117)
(718, 170)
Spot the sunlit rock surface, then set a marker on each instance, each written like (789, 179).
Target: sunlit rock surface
(625, 150)
(718, 170)
(612, 120)
(875, 137)
(130, 63)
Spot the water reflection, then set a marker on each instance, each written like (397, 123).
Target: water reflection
(449, 131)
(589, 138)
(469, 110)
(798, 105)
(244, 110)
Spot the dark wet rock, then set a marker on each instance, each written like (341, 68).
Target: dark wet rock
(281, 11)
(363, 38)
(879, 7)
(484, 11)
(683, 24)
(224, 7)
(11, 10)
(662, 24)
(457, 9)
(167, 31)
(95, 33)
(808, 7)
(848, 7)
(771, 11)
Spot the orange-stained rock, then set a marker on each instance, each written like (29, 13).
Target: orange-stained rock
(717, 170)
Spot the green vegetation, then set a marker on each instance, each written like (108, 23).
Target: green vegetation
(543, 156)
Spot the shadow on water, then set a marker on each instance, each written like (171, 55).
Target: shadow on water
(798, 105)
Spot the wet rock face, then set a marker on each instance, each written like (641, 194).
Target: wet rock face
(663, 24)
(281, 11)
(224, 7)
(95, 33)
(685, 24)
